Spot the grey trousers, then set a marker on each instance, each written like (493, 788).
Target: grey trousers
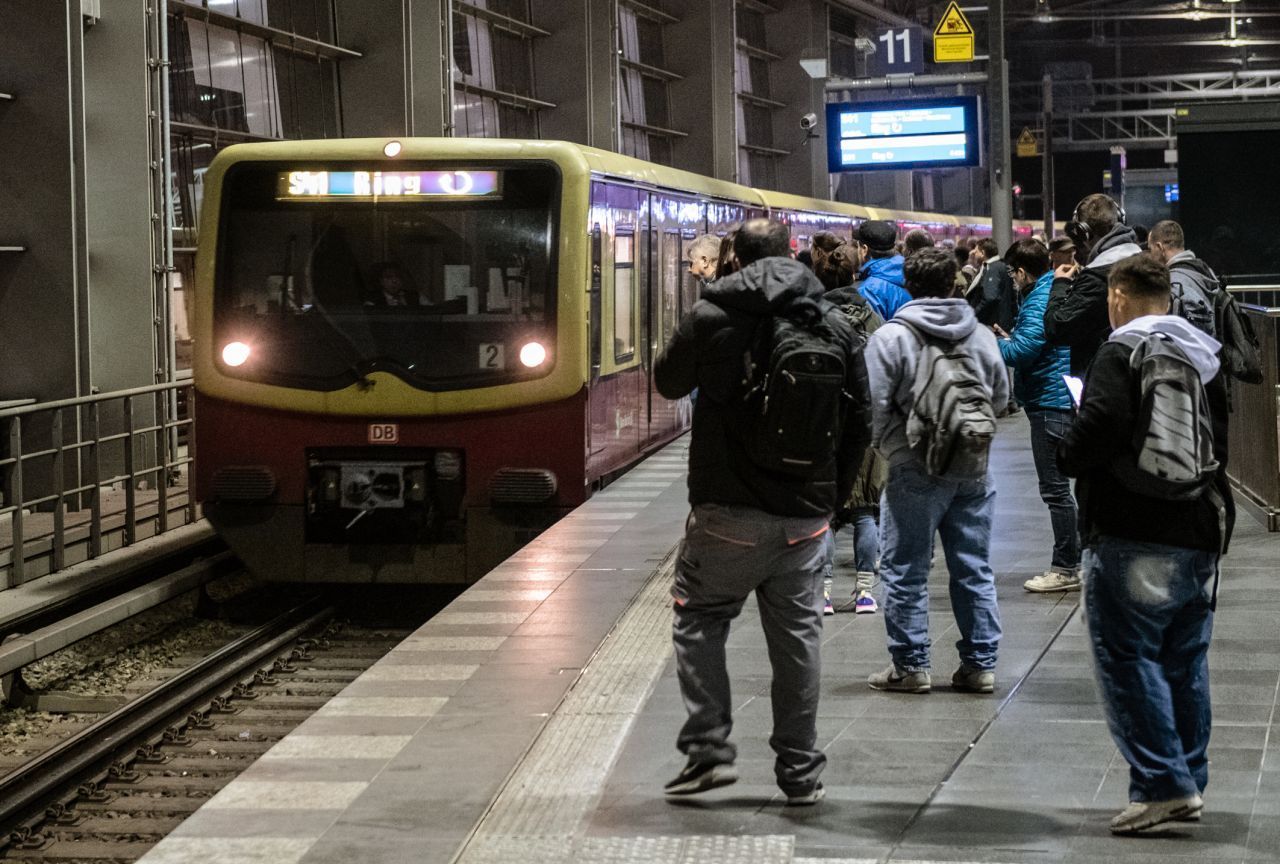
(727, 553)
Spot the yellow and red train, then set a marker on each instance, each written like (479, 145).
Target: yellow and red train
(413, 355)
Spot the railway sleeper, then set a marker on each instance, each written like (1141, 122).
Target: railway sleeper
(125, 802)
(172, 782)
(154, 826)
(86, 850)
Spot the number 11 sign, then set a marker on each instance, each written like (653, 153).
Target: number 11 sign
(899, 51)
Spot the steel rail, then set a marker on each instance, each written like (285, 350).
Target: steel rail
(38, 782)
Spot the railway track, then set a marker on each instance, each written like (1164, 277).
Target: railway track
(115, 787)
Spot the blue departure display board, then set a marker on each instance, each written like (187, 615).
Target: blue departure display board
(909, 133)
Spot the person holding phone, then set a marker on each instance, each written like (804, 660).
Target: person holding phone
(1040, 387)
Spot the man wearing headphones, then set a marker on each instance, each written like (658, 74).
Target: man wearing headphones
(1076, 314)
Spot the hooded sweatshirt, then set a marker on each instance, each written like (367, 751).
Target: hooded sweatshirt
(893, 352)
(1104, 431)
(882, 284)
(1076, 314)
(1194, 284)
(710, 349)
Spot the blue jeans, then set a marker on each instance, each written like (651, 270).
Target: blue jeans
(1048, 426)
(729, 552)
(866, 542)
(913, 507)
(1150, 621)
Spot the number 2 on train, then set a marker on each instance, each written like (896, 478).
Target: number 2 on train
(492, 356)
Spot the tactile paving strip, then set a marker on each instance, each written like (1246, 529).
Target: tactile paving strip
(550, 793)
(695, 849)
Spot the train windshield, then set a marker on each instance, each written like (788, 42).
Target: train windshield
(441, 275)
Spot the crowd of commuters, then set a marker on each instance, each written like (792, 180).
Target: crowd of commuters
(1102, 342)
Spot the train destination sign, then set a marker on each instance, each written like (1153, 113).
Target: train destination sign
(907, 133)
(376, 185)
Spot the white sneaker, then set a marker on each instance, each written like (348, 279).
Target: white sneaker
(1140, 815)
(1053, 580)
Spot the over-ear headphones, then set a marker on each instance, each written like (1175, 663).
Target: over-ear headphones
(1078, 230)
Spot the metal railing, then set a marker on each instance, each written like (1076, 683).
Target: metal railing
(1254, 443)
(61, 461)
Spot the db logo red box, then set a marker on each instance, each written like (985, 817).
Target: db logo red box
(384, 433)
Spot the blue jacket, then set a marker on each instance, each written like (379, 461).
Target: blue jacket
(882, 285)
(1038, 366)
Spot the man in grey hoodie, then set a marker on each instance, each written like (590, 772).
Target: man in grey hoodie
(916, 505)
(1076, 315)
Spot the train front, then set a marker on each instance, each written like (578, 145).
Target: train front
(390, 357)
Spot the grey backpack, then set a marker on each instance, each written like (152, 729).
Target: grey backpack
(1171, 454)
(951, 422)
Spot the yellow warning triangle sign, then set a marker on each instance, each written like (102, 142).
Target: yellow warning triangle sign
(953, 23)
(1027, 137)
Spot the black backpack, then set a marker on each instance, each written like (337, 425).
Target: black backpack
(1171, 454)
(795, 396)
(1240, 356)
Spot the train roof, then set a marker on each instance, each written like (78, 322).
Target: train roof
(588, 159)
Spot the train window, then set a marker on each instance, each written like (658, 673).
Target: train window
(624, 298)
(671, 281)
(624, 249)
(689, 283)
(427, 272)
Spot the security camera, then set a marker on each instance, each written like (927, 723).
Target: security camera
(808, 122)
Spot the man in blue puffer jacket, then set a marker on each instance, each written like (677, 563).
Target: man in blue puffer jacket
(1041, 389)
(880, 279)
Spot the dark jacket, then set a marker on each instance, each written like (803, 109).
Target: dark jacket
(993, 297)
(1077, 312)
(1102, 432)
(1038, 367)
(865, 497)
(707, 351)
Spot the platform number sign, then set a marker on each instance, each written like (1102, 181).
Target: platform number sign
(899, 51)
(492, 356)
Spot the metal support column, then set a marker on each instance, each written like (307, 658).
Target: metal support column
(1046, 167)
(999, 161)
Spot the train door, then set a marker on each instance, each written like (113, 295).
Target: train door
(668, 216)
(619, 390)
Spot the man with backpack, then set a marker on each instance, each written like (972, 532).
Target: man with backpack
(937, 384)
(1076, 315)
(1192, 281)
(779, 431)
(1154, 525)
(1199, 296)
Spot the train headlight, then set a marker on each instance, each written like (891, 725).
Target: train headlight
(392, 149)
(533, 355)
(235, 353)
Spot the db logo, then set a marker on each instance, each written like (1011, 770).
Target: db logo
(384, 433)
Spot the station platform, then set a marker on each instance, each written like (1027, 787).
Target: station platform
(534, 720)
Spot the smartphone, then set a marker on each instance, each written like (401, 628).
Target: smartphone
(1076, 386)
